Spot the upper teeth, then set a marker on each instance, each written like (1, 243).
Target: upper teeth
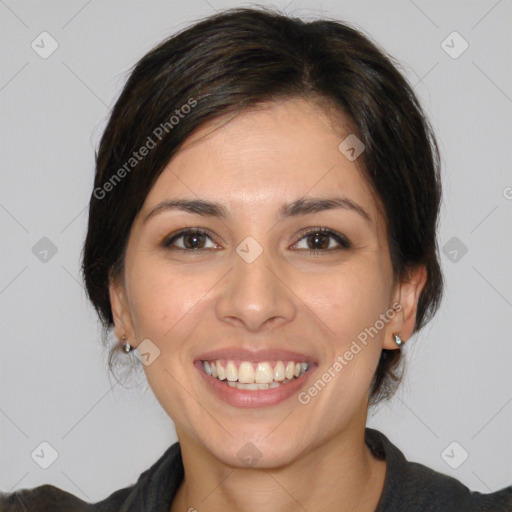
(259, 373)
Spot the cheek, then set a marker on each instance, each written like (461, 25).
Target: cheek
(163, 299)
(167, 312)
(348, 300)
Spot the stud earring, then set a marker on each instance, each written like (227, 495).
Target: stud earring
(398, 340)
(126, 347)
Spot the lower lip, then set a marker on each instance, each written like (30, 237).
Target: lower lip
(256, 398)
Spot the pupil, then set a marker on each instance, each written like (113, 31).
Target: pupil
(318, 243)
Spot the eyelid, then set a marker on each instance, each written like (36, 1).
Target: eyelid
(342, 240)
(169, 239)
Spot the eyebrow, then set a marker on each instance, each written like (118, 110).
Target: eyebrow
(301, 206)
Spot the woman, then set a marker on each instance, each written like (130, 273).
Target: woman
(262, 230)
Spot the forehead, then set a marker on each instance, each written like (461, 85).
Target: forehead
(264, 157)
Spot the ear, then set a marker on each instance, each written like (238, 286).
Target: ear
(121, 311)
(405, 304)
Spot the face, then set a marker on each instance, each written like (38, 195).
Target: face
(279, 277)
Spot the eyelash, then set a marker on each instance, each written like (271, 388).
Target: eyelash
(343, 242)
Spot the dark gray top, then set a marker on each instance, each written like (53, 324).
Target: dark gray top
(408, 486)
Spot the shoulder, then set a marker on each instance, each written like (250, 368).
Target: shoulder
(414, 487)
(48, 498)
(39, 499)
(437, 491)
(158, 482)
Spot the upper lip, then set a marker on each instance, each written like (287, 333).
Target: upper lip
(241, 354)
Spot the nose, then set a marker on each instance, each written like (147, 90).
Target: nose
(256, 295)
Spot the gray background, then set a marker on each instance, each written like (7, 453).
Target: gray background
(54, 380)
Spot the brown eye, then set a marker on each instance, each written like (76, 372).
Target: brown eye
(318, 241)
(190, 239)
(194, 241)
(323, 240)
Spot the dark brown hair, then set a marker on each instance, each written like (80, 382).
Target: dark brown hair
(241, 58)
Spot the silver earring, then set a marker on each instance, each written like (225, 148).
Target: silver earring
(398, 340)
(127, 347)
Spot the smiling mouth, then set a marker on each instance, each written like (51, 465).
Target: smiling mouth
(255, 376)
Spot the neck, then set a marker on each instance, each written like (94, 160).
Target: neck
(339, 475)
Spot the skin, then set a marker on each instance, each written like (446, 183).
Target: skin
(189, 302)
